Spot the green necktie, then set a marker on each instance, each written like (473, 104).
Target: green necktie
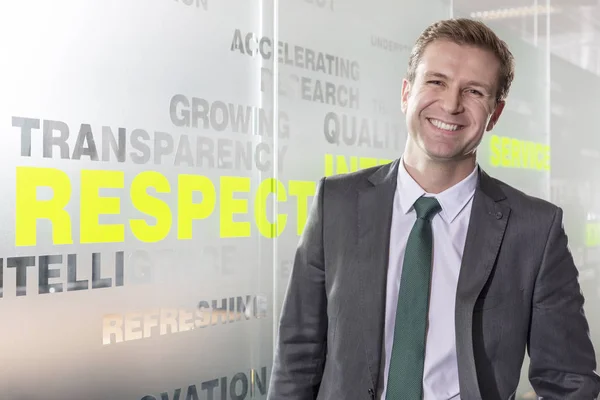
(405, 379)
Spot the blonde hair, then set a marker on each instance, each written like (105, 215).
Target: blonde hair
(465, 31)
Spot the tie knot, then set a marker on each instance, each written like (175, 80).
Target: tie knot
(427, 207)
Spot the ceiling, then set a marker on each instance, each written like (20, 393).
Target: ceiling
(574, 25)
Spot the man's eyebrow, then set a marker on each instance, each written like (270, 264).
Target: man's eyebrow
(432, 74)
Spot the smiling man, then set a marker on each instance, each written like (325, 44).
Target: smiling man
(427, 278)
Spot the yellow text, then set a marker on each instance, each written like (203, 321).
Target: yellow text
(165, 207)
(340, 164)
(509, 152)
(592, 234)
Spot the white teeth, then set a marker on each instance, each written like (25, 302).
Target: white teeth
(443, 125)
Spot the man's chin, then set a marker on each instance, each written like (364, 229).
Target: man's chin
(447, 156)
(440, 152)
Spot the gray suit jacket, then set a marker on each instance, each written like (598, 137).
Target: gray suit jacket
(518, 290)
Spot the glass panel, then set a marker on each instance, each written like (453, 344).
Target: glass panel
(137, 261)
(340, 83)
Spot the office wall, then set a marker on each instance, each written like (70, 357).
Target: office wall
(159, 159)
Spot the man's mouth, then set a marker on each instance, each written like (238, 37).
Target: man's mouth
(444, 126)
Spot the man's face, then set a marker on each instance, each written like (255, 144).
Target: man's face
(452, 101)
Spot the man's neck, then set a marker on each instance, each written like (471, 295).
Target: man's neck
(435, 177)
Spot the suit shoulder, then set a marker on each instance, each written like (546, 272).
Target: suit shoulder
(526, 202)
(351, 180)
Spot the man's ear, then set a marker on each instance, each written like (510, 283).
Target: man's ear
(405, 93)
(496, 115)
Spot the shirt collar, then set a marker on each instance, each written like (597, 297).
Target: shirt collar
(452, 200)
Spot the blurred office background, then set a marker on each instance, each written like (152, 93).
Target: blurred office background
(159, 157)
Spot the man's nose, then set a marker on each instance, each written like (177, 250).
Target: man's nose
(452, 101)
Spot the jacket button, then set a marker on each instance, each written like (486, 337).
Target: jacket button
(498, 215)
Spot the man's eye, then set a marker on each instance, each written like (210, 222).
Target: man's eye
(435, 82)
(475, 92)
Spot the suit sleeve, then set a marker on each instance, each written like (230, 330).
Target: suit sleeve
(563, 361)
(300, 348)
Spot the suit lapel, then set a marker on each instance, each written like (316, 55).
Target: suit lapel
(374, 212)
(489, 216)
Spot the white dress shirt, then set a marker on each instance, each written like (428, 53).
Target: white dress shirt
(440, 377)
